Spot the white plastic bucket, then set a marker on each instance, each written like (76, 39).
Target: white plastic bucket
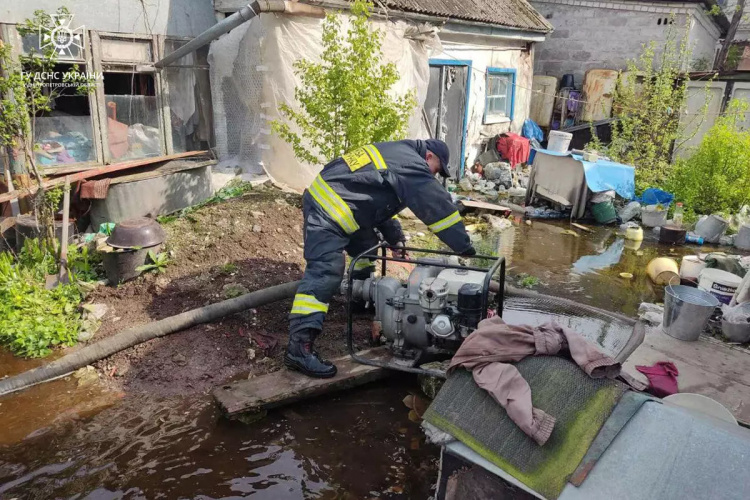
(559, 142)
(691, 267)
(720, 284)
(651, 217)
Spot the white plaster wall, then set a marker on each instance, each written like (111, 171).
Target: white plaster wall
(498, 54)
(158, 17)
(703, 40)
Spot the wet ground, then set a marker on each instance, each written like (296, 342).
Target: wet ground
(65, 439)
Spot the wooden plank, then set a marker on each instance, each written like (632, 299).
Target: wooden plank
(285, 386)
(581, 227)
(116, 167)
(483, 205)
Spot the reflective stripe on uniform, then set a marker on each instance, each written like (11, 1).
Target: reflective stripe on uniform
(308, 304)
(443, 224)
(333, 205)
(375, 156)
(363, 264)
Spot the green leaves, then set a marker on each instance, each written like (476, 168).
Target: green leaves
(158, 262)
(717, 177)
(33, 319)
(345, 99)
(647, 103)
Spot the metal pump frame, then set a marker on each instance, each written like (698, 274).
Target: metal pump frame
(372, 254)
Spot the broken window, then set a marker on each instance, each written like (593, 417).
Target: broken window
(499, 95)
(189, 98)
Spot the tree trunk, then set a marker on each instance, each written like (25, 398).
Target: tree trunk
(721, 59)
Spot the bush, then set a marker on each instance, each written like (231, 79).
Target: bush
(716, 178)
(647, 101)
(345, 100)
(33, 320)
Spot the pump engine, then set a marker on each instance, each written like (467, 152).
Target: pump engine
(432, 312)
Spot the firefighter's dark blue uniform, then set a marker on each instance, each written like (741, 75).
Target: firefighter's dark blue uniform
(353, 196)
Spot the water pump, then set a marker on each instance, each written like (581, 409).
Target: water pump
(435, 309)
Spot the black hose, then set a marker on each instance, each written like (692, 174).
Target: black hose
(139, 334)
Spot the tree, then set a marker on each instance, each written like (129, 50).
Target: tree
(345, 99)
(721, 59)
(25, 92)
(647, 105)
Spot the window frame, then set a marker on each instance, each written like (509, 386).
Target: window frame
(105, 66)
(490, 119)
(15, 40)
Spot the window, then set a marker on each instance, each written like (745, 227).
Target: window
(63, 135)
(189, 98)
(130, 104)
(499, 95)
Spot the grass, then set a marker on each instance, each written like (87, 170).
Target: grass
(228, 268)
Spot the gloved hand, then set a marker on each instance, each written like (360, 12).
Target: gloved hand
(470, 252)
(399, 253)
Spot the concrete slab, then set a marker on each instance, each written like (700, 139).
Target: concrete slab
(707, 367)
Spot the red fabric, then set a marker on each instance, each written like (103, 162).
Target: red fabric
(662, 378)
(513, 148)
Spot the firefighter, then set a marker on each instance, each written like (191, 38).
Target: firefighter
(350, 198)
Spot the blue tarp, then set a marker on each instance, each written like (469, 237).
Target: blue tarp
(605, 175)
(655, 196)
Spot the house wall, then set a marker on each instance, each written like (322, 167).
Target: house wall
(604, 35)
(164, 17)
(484, 53)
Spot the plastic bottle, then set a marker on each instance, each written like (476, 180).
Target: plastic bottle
(692, 238)
(677, 217)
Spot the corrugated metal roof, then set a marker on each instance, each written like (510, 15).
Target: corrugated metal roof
(508, 13)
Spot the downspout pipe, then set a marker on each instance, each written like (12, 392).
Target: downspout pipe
(243, 15)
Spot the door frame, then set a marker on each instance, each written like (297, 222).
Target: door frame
(467, 64)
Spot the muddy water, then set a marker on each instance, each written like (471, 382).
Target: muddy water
(66, 440)
(357, 445)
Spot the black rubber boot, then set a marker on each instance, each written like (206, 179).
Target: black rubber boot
(302, 357)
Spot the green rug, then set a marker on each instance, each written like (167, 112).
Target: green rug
(580, 404)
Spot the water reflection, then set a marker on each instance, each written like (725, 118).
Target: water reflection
(609, 257)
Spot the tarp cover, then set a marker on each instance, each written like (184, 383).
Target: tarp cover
(604, 175)
(252, 73)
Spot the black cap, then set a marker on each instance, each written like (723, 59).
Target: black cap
(440, 149)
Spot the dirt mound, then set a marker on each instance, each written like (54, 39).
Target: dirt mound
(218, 251)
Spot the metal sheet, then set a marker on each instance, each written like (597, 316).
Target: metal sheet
(693, 123)
(543, 100)
(741, 90)
(669, 453)
(153, 197)
(598, 92)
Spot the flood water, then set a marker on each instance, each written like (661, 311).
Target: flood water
(59, 440)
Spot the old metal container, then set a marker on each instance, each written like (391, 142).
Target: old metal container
(141, 232)
(672, 235)
(686, 311)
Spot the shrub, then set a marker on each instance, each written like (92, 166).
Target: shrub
(716, 178)
(33, 320)
(345, 99)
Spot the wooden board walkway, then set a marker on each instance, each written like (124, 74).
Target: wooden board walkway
(283, 387)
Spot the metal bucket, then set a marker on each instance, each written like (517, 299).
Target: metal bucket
(686, 311)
